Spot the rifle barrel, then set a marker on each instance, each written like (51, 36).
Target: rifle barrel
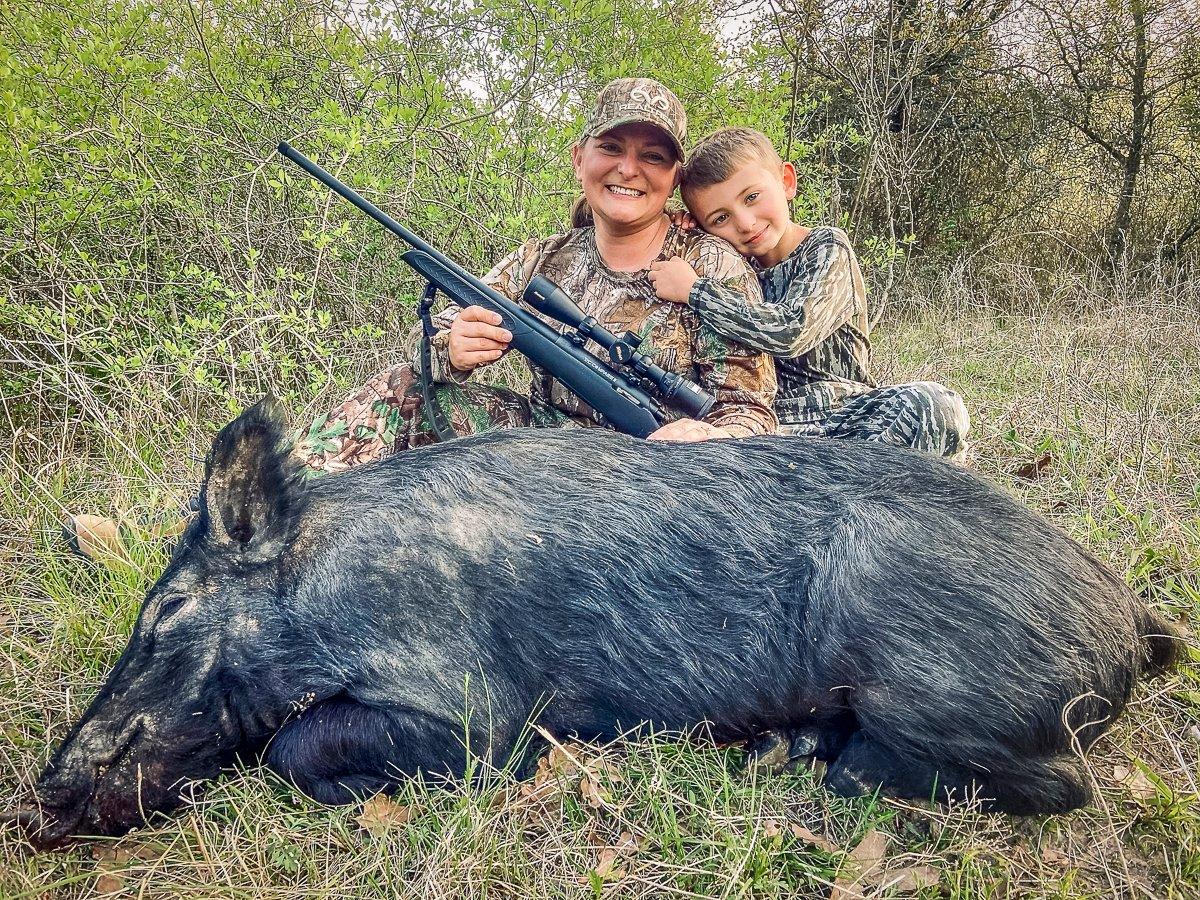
(368, 207)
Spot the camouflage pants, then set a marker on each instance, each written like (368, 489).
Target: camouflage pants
(386, 416)
(922, 415)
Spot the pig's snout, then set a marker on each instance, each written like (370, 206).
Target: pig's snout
(41, 827)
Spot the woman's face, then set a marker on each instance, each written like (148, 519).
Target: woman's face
(627, 174)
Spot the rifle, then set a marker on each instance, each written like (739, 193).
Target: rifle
(619, 395)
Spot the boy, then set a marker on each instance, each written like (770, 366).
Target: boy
(814, 320)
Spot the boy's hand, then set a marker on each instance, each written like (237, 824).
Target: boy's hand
(682, 219)
(672, 279)
(688, 431)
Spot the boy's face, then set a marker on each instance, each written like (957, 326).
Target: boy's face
(749, 208)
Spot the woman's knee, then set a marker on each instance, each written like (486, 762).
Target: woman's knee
(362, 428)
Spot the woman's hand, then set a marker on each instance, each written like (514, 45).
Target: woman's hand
(476, 339)
(688, 431)
(672, 279)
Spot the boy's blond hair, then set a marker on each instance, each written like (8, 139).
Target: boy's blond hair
(720, 154)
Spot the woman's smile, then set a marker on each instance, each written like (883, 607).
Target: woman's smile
(627, 174)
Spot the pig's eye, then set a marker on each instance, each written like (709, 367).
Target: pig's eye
(168, 606)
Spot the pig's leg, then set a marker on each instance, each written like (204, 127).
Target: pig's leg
(865, 766)
(1030, 785)
(341, 750)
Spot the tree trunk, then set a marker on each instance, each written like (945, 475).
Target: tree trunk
(1118, 239)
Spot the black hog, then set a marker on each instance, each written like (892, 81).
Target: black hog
(931, 634)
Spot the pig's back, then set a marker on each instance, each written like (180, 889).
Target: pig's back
(682, 582)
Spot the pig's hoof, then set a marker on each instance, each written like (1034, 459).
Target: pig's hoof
(768, 754)
(804, 743)
(841, 781)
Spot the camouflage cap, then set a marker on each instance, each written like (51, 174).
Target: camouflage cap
(627, 100)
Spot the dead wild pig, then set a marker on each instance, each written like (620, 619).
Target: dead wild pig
(927, 633)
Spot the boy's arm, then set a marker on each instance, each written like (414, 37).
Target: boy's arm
(818, 300)
(740, 378)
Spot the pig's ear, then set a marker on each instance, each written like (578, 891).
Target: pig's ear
(253, 487)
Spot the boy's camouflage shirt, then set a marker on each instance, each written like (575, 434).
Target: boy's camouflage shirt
(813, 321)
(742, 380)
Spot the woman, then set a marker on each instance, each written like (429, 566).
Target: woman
(627, 162)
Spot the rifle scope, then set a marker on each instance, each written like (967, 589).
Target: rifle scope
(549, 299)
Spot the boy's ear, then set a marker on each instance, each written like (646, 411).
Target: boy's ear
(789, 180)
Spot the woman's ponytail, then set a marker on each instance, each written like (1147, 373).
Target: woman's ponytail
(581, 213)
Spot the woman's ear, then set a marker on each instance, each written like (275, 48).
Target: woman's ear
(576, 153)
(788, 174)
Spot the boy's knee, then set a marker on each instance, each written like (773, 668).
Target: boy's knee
(938, 415)
(946, 406)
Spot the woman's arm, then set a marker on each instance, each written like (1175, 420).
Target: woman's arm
(468, 339)
(820, 297)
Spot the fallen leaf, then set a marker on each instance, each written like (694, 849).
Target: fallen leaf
(911, 879)
(601, 765)
(592, 793)
(811, 837)
(110, 856)
(508, 795)
(108, 883)
(1136, 781)
(381, 813)
(864, 864)
(1031, 470)
(561, 759)
(870, 851)
(114, 856)
(606, 867)
(1055, 857)
(552, 768)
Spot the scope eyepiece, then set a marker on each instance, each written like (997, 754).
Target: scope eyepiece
(550, 300)
(683, 395)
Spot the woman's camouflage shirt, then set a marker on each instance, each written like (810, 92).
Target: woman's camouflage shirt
(742, 380)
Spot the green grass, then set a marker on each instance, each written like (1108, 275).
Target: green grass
(1108, 393)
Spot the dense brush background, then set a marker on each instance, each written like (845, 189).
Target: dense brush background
(1022, 181)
